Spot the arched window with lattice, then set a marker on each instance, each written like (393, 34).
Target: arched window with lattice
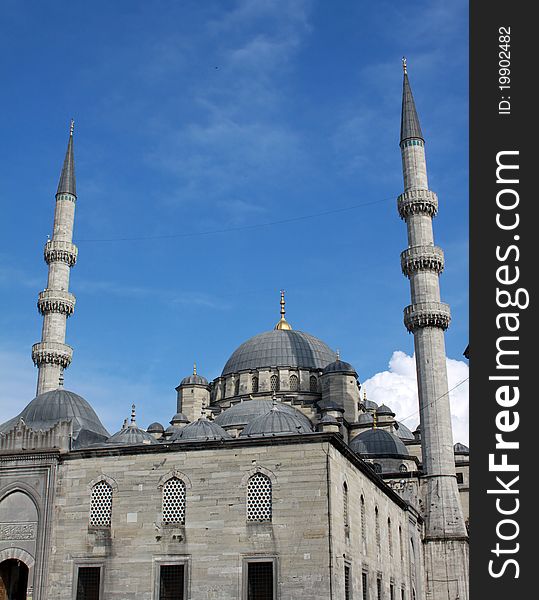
(174, 501)
(274, 383)
(101, 505)
(254, 384)
(313, 384)
(294, 383)
(259, 498)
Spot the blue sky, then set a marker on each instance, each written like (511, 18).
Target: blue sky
(276, 121)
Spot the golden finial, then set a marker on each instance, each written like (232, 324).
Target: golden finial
(283, 323)
(71, 127)
(194, 368)
(374, 420)
(404, 65)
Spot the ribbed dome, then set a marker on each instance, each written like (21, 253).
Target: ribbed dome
(194, 379)
(47, 409)
(370, 405)
(131, 435)
(365, 418)
(200, 430)
(403, 432)
(243, 413)
(155, 428)
(275, 422)
(179, 418)
(280, 348)
(377, 442)
(339, 366)
(384, 410)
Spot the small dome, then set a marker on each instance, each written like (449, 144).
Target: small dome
(242, 413)
(47, 409)
(194, 379)
(370, 405)
(275, 422)
(280, 348)
(403, 432)
(179, 418)
(378, 442)
(339, 366)
(384, 410)
(155, 428)
(170, 430)
(461, 448)
(328, 420)
(200, 430)
(132, 435)
(365, 419)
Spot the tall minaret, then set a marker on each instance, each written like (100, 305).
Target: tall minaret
(427, 318)
(52, 355)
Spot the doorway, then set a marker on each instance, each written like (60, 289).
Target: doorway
(13, 579)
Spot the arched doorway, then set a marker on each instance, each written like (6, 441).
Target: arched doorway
(13, 579)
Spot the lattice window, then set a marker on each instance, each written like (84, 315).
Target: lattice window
(88, 583)
(364, 586)
(254, 384)
(377, 527)
(101, 505)
(313, 384)
(237, 387)
(294, 383)
(347, 595)
(401, 547)
(174, 501)
(274, 383)
(363, 521)
(259, 498)
(345, 510)
(378, 589)
(390, 537)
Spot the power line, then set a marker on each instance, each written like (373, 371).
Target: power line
(231, 229)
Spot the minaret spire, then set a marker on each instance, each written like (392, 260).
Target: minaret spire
(52, 355)
(428, 318)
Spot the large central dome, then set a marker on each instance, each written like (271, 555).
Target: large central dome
(280, 348)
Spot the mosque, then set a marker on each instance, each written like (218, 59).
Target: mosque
(278, 480)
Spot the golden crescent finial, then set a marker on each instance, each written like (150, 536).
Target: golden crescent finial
(283, 324)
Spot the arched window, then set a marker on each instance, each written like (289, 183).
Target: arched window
(377, 467)
(403, 468)
(313, 384)
(377, 526)
(401, 548)
(346, 516)
(254, 384)
(274, 383)
(174, 501)
(294, 383)
(237, 387)
(101, 505)
(389, 537)
(259, 498)
(363, 520)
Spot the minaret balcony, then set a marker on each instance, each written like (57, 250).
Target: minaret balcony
(427, 314)
(417, 202)
(52, 353)
(62, 251)
(56, 301)
(422, 258)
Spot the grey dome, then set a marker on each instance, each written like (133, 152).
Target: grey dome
(403, 432)
(47, 409)
(378, 442)
(339, 366)
(200, 430)
(384, 410)
(179, 418)
(194, 379)
(242, 413)
(275, 422)
(461, 448)
(132, 435)
(370, 405)
(365, 418)
(280, 348)
(155, 428)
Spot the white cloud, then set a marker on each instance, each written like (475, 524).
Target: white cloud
(397, 388)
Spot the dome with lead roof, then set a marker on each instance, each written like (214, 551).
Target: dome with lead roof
(275, 422)
(202, 429)
(242, 413)
(378, 442)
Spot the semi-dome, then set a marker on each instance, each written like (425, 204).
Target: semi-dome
(403, 432)
(339, 366)
(47, 409)
(242, 413)
(459, 448)
(275, 422)
(280, 348)
(378, 442)
(202, 429)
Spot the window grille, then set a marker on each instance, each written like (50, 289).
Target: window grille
(274, 383)
(377, 526)
(259, 498)
(347, 583)
(401, 548)
(260, 581)
(379, 589)
(313, 384)
(174, 501)
(237, 387)
(88, 581)
(345, 510)
(294, 383)
(171, 582)
(101, 505)
(364, 586)
(254, 384)
(363, 521)
(390, 537)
